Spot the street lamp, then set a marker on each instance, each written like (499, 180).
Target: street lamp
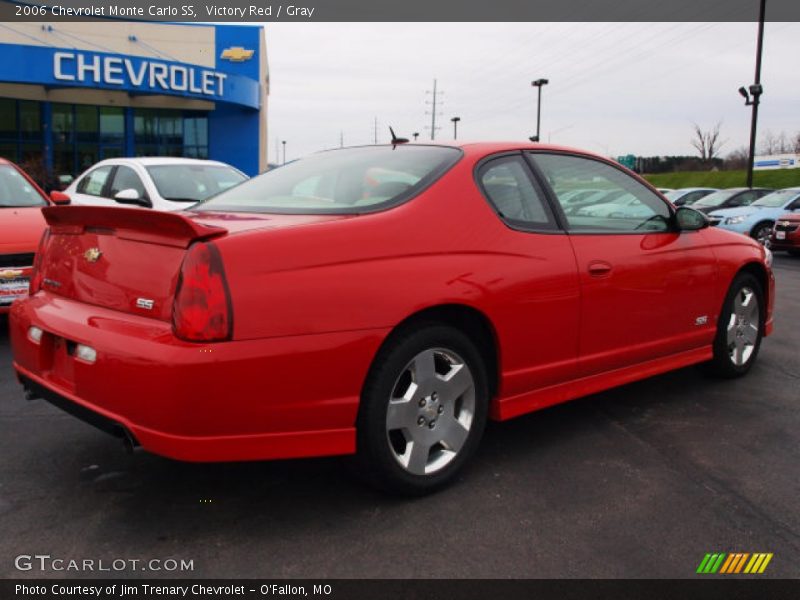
(538, 84)
(752, 95)
(284, 151)
(455, 121)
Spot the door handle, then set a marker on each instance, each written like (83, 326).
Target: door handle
(599, 268)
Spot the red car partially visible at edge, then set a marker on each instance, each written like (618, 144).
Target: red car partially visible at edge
(21, 228)
(382, 301)
(786, 234)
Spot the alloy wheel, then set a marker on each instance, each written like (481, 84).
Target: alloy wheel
(430, 412)
(743, 326)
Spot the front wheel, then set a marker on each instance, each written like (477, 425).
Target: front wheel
(423, 410)
(762, 232)
(739, 328)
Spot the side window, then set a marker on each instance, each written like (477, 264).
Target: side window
(94, 182)
(695, 196)
(597, 197)
(126, 178)
(508, 185)
(744, 199)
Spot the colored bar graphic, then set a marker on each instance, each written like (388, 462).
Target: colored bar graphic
(734, 563)
(727, 564)
(703, 563)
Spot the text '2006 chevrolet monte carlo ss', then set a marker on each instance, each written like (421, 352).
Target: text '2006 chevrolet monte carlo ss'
(382, 301)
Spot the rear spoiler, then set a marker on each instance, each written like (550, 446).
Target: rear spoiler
(165, 228)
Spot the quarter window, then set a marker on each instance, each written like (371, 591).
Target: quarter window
(508, 185)
(597, 197)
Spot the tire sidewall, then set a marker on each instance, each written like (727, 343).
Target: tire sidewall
(373, 448)
(758, 227)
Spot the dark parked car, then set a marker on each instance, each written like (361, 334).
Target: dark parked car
(730, 198)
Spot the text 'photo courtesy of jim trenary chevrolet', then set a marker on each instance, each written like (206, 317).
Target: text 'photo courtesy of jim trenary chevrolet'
(339, 299)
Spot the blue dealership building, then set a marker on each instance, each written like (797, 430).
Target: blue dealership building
(74, 93)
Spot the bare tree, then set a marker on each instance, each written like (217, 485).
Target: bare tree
(769, 143)
(797, 143)
(738, 158)
(707, 142)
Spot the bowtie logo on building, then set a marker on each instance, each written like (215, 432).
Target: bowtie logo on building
(734, 563)
(237, 54)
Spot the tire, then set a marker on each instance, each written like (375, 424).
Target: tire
(761, 232)
(740, 328)
(794, 252)
(423, 410)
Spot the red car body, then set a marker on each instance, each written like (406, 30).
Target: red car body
(786, 234)
(314, 297)
(21, 228)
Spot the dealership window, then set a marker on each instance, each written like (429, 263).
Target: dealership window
(21, 137)
(159, 132)
(84, 134)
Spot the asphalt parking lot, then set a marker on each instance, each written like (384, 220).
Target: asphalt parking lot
(639, 481)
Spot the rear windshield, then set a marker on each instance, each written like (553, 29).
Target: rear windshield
(15, 190)
(348, 181)
(193, 183)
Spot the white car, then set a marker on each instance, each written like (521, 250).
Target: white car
(160, 183)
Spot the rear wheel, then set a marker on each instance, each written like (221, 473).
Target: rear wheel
(739, 328)
(762, 232)
(423, 410)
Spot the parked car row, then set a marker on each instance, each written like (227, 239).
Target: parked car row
(758, 219)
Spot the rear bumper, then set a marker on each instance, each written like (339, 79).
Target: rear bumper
(250, 400)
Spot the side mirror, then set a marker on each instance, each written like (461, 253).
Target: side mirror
(59, 198)
(689, 219)
(131, 196)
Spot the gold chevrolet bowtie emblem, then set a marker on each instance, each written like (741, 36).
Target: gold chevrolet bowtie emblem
(92, 254)
(10, 274)
(237, 54)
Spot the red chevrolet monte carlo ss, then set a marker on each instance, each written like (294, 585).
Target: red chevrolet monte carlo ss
(383, 301)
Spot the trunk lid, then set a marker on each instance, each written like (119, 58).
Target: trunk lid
(129, 259)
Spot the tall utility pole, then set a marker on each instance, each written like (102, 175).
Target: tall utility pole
(755, 92)
(341, 139)
(434, 102)
(375, 132)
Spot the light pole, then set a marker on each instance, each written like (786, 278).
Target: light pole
(455, 121)
(284, 151)
(753, 97)
(538, 84)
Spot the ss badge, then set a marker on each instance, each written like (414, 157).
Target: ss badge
(144, 303)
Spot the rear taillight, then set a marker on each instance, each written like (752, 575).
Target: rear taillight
(36, 277)
(202, 309)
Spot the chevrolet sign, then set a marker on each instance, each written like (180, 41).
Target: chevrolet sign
(236, 54)
(149, 74)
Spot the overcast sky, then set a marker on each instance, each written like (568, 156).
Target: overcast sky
(615, 88)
